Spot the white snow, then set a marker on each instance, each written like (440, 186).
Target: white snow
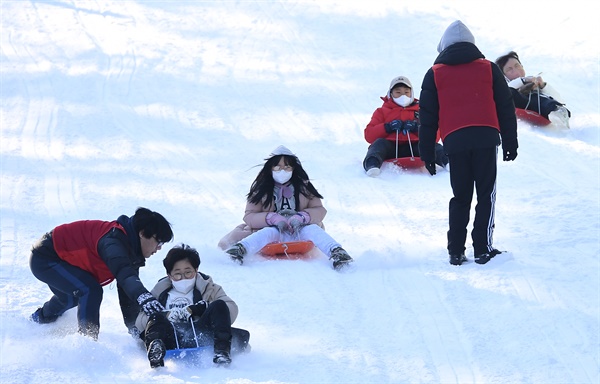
(111, 105)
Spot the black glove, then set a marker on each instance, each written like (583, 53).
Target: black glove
(393, 126)
(410, 126)
(149, 304)
(510, 154)
(431, 168)
(198, 308)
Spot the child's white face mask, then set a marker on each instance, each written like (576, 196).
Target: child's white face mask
(403, 100)
(282, 176)
(184, 285)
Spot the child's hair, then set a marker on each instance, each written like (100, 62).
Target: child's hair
(263, 186)
(152, 224)
(181, 252)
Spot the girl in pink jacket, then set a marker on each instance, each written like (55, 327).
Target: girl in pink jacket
(282, 205)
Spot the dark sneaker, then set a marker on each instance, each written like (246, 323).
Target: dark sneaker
(442, 162)
(222, 358)
(495, 252)
(340, 258)
(237, 253)
(485, 257)
(441, 158)
(156, 353)
(372, 167)
(457, 259)
(38, 317)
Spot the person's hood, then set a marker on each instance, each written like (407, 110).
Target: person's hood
(281, 150)
(456, 32)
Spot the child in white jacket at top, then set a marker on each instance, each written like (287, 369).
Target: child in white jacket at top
(282, 205)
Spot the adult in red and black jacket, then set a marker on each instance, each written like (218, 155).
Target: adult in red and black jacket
(466, 98)
(77, 259)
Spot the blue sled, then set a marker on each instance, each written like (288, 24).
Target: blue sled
(190, 349)
(189, 355)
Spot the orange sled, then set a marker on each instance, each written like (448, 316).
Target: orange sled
(288, 250)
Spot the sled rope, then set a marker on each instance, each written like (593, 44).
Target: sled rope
(412, 155)
(538, 99)
(175, 334)
(285, 248)
(194, 330)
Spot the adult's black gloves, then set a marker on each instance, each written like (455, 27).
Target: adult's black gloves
(509, 154)
(431, 168)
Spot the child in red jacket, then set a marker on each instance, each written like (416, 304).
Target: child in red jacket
(396, 121)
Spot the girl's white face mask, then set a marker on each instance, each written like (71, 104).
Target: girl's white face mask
(184, 285)
(282, 176)
(403, 101)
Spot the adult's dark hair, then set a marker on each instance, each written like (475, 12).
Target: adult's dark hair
(262, 188)
(502, 60)
(181, 252)
(152, 224)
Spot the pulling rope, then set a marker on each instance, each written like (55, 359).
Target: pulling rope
(538, 98)
(195, 335)
(412, 155)
(285, 248)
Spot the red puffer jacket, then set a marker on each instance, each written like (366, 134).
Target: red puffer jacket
(77, 244)
(391, 111)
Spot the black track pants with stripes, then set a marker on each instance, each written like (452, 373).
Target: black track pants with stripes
(472, 169)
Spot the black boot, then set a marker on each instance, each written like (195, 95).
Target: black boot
(156, 353)
(457, 259)
(222, 348)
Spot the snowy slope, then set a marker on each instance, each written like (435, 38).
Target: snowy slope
(111, 105)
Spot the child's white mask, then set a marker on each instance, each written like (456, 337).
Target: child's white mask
(282, 176)
(403, 100)
(184, 285)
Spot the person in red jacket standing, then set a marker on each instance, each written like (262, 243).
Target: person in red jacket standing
(466, 98)
(77, 259)
(395, 122)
